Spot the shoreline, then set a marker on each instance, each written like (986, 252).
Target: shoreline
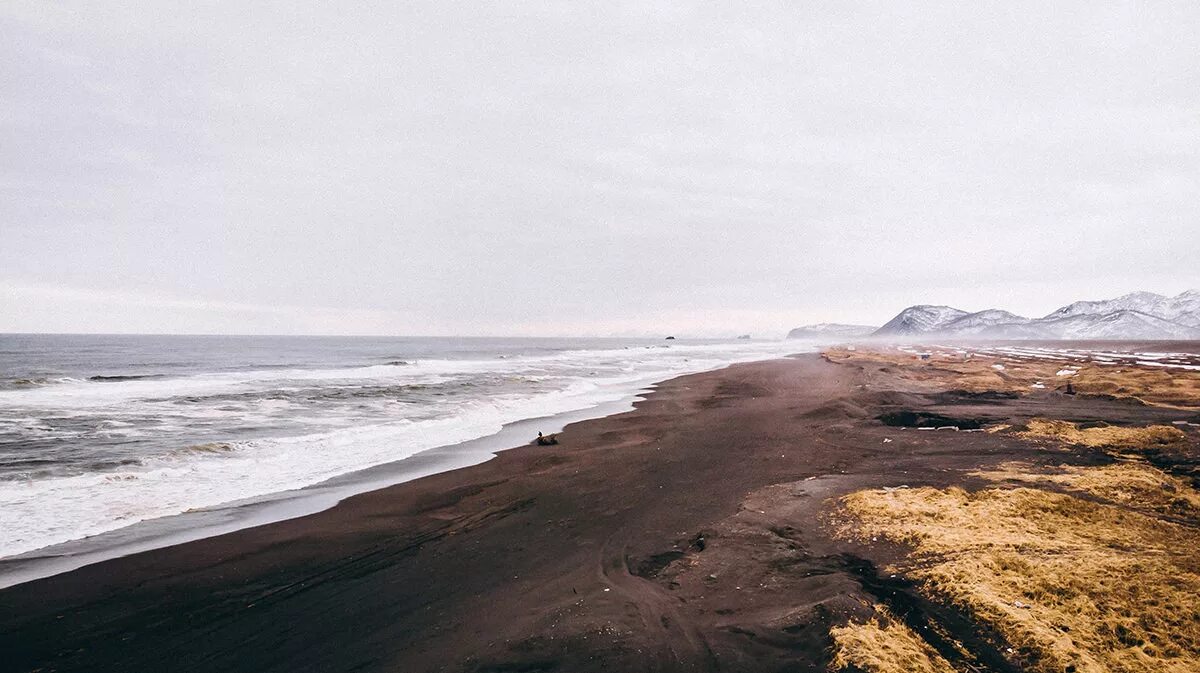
(691, 534)
(199, 524)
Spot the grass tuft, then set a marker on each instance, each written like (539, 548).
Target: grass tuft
(1071, 583)
(1107, 436)
(1134, 485)
(884, 645)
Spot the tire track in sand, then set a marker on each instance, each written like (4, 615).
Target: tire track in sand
(682, 645)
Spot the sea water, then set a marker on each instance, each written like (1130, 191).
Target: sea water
(98, 433)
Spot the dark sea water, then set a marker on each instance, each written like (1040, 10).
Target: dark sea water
(100, 432)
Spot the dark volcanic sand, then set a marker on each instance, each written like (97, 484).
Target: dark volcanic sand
(687, 535)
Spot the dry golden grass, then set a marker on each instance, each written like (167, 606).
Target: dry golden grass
(884, 645)
(974, 372)
(1108, 436)
(1072, 584)
(1135, 485)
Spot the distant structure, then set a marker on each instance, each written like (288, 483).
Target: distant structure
(745, 337)
(670, 338)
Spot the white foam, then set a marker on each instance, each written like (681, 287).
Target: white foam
(78, 394)
(40, 512)
(1169, 365)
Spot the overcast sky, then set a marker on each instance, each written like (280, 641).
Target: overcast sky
(588, 168)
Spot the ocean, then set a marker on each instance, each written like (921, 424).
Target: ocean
(101, 432)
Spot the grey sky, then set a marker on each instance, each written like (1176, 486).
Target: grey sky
(559, 168)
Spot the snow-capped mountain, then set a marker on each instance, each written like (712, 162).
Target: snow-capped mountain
(983, 321)
(828, 330)
(1183, 308)
(1134, 301)
(1138, 315)
(1121, 324)
(920, 319)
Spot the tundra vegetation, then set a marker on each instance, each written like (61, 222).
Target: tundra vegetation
(1083, 569)
(1088, 567)
(987, 372)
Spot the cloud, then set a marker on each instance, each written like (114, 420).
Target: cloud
(596, 167)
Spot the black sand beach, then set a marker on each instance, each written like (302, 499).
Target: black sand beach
(688, 535)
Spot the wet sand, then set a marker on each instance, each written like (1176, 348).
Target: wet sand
(687, 535)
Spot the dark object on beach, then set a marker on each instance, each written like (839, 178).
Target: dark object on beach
(670, 338)
(546, 440)
(1070, 389)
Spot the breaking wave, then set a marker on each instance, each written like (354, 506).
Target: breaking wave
(80, 457)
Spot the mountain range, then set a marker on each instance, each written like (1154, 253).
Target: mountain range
(1138, 315)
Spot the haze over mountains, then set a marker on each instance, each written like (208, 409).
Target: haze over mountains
(1138, 315)
(831, 329)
